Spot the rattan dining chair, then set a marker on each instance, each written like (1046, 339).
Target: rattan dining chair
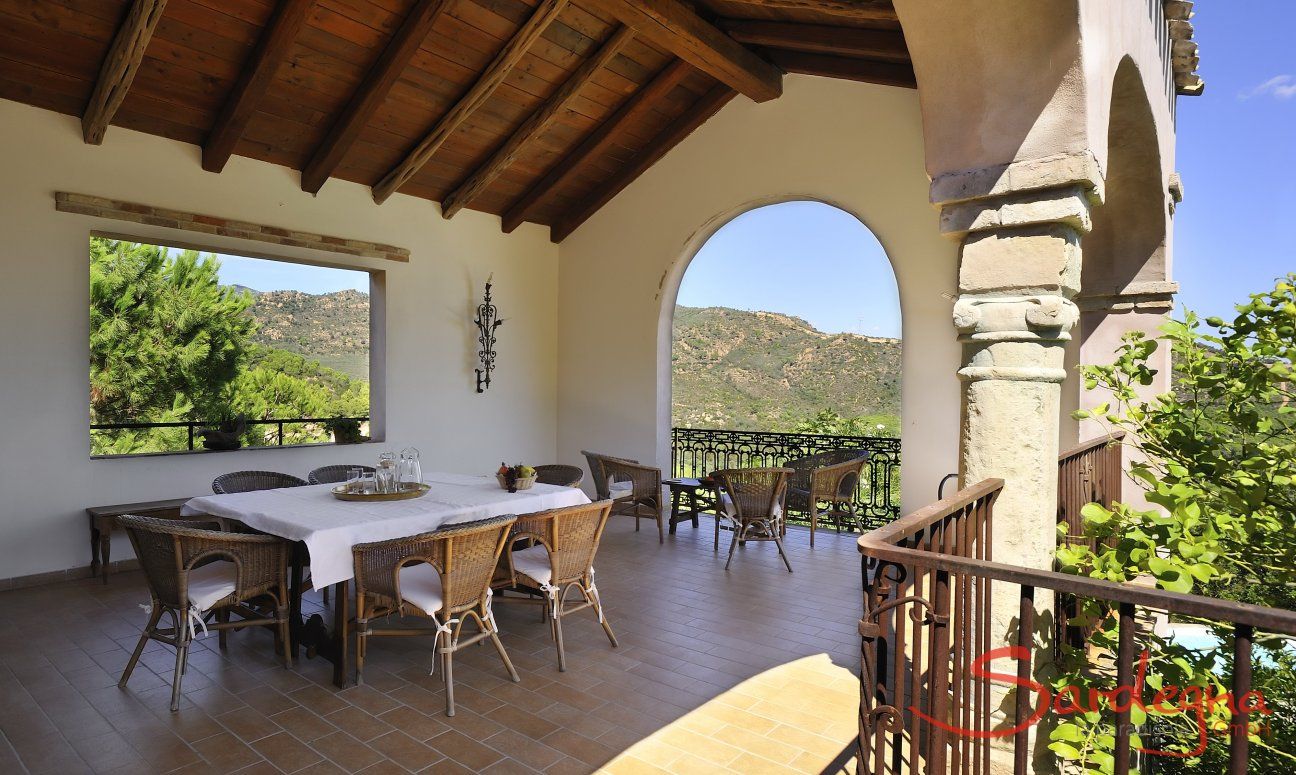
(755, 501)
(637, 492)
(193, 573)
(444, 576)
(560, 475)
(334, 474)
(826, 478)
(602, 484)
(561, 560)
(250, 481)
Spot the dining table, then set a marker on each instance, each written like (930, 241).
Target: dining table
(324, 528)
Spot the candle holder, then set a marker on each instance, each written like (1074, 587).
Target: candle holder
(488, 320)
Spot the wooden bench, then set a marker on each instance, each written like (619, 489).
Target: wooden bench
(104, 518)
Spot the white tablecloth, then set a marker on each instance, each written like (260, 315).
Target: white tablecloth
(330, 527)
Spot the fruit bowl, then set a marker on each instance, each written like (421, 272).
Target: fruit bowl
(518, 484)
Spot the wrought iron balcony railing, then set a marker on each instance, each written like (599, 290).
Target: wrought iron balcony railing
(696, 452)
(192, 426)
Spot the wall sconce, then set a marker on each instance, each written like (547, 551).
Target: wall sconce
(487, 321)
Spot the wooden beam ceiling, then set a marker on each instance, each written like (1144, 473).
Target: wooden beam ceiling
(535, 125)
(475, 97)
(888, 45)
(595, 143)
(884, 73)
(119, 67)
(862, 10)
(272, 51)
(706, 107)
(676, 28)
(371, 93)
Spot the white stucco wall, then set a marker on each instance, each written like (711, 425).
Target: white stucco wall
(856, 146)
(46, 475)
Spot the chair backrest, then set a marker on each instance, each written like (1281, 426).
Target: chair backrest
(804, 467)
(757, 493)
(571, 535)
(560, 475)
(333, 474)
(249, 481)
(464, 556)
(595, 460)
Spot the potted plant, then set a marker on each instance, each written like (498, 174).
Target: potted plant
(345, 430)
(227, 435)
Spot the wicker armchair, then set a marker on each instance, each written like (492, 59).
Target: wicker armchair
(561, 559)
(193, 573)
(444, 576)
(249, 481)
(755, 500)
(602, 483)
(560, 475)
(636, 492)
(828, 477)
(333, 474)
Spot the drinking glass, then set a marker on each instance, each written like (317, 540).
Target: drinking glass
(355, 480)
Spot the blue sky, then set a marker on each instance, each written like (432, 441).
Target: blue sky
(266, 275)
(1234, 232)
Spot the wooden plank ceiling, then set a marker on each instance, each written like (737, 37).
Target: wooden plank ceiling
(535, 110)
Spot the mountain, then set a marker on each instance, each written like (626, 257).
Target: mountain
(332, 328)
(766, 371)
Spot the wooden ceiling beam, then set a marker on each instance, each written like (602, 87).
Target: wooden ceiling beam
(867, 71)
(119, 67)
(254, 81)
(595, 143)
(888, 45)
(706, 107)
(862, 10)
(675, 27)
(371, 93)
(535, 125)
(474, 98)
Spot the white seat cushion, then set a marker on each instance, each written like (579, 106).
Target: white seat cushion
(211, 582)
(421, 585)
(619, 490)
(533, 562)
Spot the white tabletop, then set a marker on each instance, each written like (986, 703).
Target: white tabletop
(330, 527)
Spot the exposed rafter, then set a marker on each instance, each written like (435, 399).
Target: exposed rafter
(476, 96)
(706, 107)
(676, 28)
(259, 72)
(887, 45)
(594, 144)
(864, 10)
(369, 96)
(884, 73)
(535, 125)
(119, 67)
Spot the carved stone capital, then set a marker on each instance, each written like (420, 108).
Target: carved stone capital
(1059, 171)
(1030, 318)
(1069, 206)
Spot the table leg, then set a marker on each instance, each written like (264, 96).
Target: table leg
(675, 504)
(341, 635)
(105, 551)
(94, 549)
(295, 602)
(693, 500)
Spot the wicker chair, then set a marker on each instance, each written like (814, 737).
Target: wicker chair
(444, 576)
(561, 559)
(249, 481)
(755, 500)
(828, 477)
(602, 483)
(194, 572)
(560, 475)
(333, 474)
(636, 492)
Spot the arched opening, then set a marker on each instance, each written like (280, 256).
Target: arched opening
(784, 343)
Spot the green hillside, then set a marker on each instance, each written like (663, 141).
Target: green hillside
(769, 371)
(332, 328)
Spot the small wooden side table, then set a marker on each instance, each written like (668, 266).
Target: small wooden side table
(698, 501)
(104, 518)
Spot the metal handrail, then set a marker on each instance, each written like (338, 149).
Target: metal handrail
(193, 425)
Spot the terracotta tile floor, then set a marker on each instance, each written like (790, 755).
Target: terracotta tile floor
(748, 671)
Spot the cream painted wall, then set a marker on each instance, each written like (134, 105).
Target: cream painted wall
(46, 476)
(853, 145)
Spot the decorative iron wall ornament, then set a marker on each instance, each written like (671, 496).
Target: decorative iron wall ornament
(488, 320)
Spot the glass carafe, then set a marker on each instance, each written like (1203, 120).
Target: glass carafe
(411, 470)
(386, 472)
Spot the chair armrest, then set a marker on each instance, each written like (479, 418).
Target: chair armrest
(646, 480)
(262, 560)
(827, 483)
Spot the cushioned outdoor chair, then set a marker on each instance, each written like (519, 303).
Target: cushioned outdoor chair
(334, 474)
(560, 475)
(755, 501)
(826, 478)
(561, 561)
(444, 576)
(602, 484)
(636, 491)
(195, 573)
(250, 481)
